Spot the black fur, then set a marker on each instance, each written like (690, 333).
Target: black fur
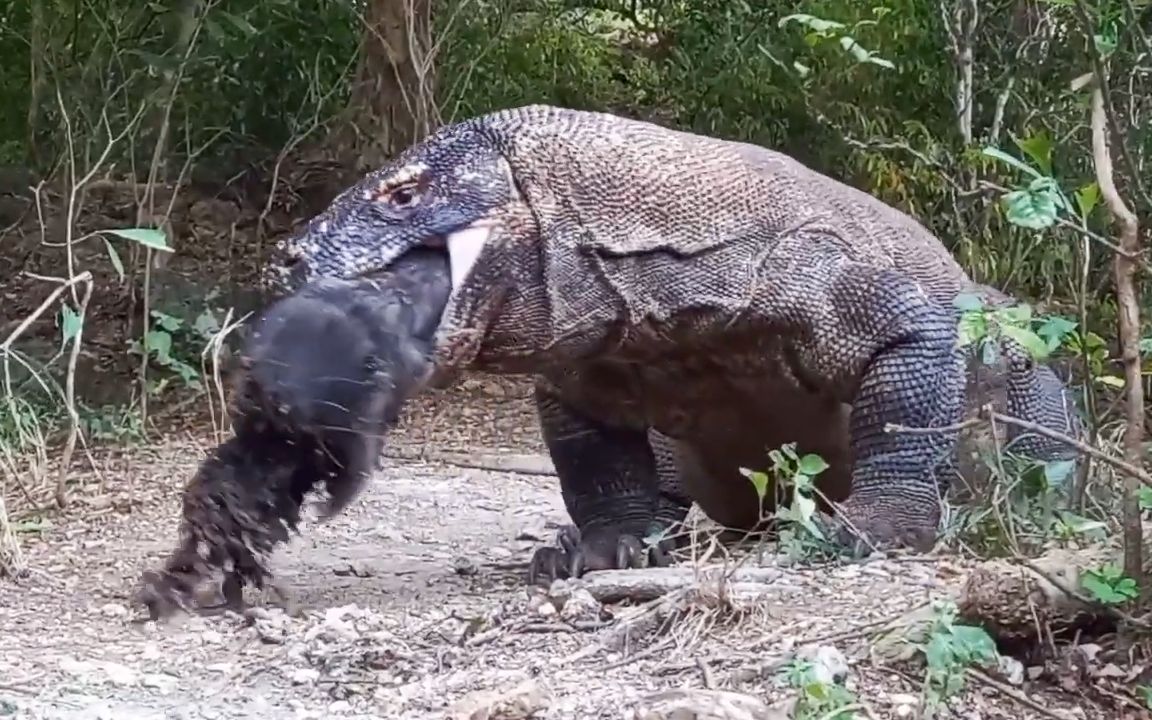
(324, 374)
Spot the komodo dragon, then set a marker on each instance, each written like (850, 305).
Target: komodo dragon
(686, 303)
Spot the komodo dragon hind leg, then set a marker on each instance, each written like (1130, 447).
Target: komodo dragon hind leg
(608, 480)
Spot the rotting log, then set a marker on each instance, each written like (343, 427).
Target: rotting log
(1024, 600)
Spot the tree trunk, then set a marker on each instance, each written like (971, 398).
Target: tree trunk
(393, 102)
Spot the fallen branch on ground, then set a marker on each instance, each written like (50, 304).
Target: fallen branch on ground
(524, 464)
(644, 584)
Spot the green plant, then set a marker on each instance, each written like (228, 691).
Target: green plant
(985, 327)
(950, 649)
(819, 699)
(794, 476)
(1109, 585)
(174, 345)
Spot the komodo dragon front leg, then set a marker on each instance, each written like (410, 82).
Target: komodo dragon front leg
(610, 485)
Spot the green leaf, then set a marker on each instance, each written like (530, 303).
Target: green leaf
(1006, 158)
(159, 342)
(812, 464)
(1080, 524)
(968, 302)
(973, 644)
(1144, 495)
(1107, 41)
(759, 481)
(805, 507)
(1087, 198)
(972, 327)
(1054, 329)
(1038, 147)
(167, 322)
(70, 324)
(239, 23)
(1017, 314)
(1028, 209)
(1030, 341)
(115, 258)
(1110, 381)
(938, 652)
(206, 324)
(1057, 472)
(148, 237)
(810, 21)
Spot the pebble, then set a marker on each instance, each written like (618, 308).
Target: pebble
(164, 683)
(828, 664)
(1011, 669)
(304, 676)
(464, 566)
(114, 610)
(120, 674)
(580, 605)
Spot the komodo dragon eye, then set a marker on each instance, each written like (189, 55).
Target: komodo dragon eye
(402, 197)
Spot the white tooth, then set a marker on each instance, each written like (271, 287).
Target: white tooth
(464, 248)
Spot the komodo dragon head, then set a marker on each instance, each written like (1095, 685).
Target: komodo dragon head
(454, 192)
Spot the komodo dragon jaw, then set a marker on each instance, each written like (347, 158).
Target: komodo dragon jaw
(456, 193)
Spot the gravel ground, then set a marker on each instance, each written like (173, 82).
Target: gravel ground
(412, 604)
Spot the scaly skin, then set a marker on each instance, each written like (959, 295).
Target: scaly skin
(715, 297)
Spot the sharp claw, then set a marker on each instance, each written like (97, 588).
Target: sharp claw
(629, 552)
(546, 566)
(576, 563)
(568, 539)
(659, 556)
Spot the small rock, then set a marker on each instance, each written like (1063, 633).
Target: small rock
(903, 699)
(339, 707)
(211, 637)
(580, 605)
(531, 535)
(72, 666)
(546, 609)
(1111, 670)
(537, 601)
(560, 591)
(114, 610)
(157, 681)
(520, 702)
(1011, 669)
(828, 664)
(304, 676)
(120, 674)
(1035, 672)
(464, 566)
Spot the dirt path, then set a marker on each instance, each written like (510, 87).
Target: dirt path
(410, 602)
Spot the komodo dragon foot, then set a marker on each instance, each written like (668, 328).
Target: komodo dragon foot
(598, 549)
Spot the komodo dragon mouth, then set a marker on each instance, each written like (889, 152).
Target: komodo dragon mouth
(456, 196)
